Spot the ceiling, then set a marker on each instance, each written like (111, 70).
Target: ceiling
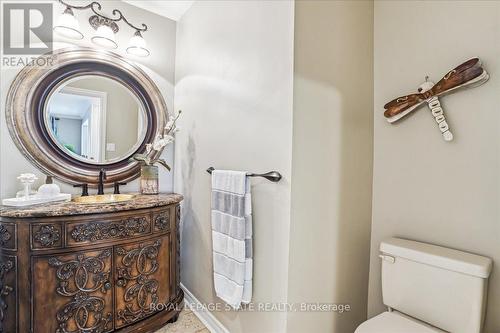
(172, 9)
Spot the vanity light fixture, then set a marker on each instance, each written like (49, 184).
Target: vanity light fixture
(137, 45)
(105, 31)
(68, 26)
(105, 28)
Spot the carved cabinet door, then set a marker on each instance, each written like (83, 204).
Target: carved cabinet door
(142, 279)
(72, 293)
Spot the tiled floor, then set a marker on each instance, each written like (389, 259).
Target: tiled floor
(187, 323)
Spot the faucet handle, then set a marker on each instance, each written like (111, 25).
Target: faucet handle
(117, 187)
(85, 189)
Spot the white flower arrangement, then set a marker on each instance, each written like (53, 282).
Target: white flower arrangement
(27, 178)
(158, 144)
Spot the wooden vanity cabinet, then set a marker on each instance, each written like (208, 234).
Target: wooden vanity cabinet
(90, 273)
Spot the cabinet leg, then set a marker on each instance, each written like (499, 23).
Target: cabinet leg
(174, 318)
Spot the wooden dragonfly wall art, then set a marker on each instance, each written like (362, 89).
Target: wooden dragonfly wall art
(467, 75)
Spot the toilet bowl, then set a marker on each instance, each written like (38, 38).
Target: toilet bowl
(430, 289)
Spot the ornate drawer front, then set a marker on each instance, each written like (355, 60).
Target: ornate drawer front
(8, 236)
(46, 236)
(103, 231)
(161, 221)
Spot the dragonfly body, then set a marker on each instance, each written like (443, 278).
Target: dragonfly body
(436, 110)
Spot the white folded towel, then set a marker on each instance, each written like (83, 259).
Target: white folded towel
(232, 236)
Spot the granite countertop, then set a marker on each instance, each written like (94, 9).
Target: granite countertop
(71, 208)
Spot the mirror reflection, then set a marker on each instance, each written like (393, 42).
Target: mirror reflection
(95, 119)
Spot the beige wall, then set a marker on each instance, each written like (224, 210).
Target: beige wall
(332, 163)
(425, 188)
(234, 74)
(160, 66)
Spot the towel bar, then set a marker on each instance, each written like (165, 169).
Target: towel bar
(273, 176)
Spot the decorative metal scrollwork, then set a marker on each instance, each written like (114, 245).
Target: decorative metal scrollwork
(4, 235)
(5, 290)
(135, 275)
(88, 277)
(162, 221)
(99, 231)
(47, 235)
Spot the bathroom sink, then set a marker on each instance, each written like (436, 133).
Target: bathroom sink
(104, 198)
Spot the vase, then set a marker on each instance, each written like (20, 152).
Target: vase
(149, 179)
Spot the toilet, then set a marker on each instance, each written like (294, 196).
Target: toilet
(429, 288)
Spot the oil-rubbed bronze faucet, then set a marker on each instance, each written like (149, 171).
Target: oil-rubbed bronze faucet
(117, 187)
(85, 189)
(100, 186)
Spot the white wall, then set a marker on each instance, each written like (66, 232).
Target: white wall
(425, 188)
(332, 163)
(70, 132)
(160, 66)
(234, 72)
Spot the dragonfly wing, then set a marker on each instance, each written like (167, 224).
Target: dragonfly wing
(468, 74)
(396, 117)
(401, 104)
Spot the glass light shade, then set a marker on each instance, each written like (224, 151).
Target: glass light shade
(105, 37)
(68, 26)
(137, 46)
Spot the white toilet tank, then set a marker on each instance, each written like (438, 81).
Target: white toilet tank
(443, 287)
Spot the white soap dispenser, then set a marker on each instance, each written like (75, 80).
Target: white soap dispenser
(49, 189)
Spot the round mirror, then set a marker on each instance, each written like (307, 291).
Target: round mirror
(89, 110)
(95, 119)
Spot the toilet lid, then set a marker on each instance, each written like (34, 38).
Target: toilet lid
(395, 322)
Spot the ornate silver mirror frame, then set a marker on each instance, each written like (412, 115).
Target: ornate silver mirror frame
(32, 87)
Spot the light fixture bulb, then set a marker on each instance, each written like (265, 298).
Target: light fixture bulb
(68, 26)
(137, 45)
(105, 37)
